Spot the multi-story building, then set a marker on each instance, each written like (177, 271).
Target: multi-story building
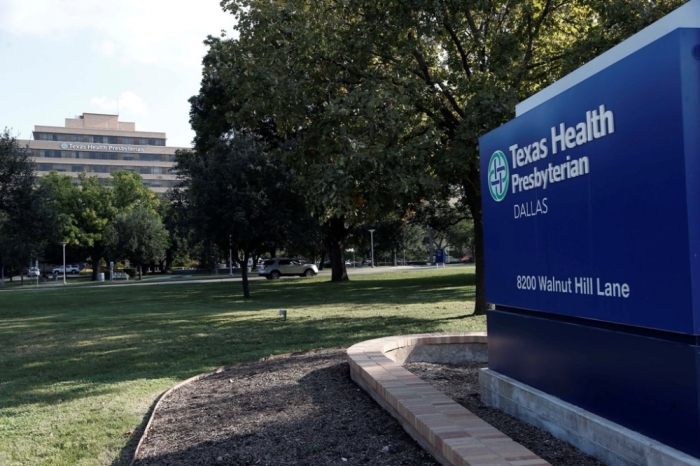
(101, 144)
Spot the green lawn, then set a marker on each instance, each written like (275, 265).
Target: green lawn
(80, 368)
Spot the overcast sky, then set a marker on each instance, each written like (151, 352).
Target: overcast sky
(138, 58)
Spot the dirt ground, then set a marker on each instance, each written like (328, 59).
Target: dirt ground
(305, 410)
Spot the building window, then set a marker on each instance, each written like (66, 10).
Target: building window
(152, 157)
(112, 139)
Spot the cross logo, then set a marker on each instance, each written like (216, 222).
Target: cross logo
(498, 176)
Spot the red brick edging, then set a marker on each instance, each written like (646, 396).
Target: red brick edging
(450, 432)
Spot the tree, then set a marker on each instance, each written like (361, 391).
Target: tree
(180, 235)
(16, 171)
(85, 212)
(363, 89)
(305, 239)
(25, 222)
(129, 192)
(138, 235)
(352, 149)
(238, 192)
(461, 236)
(87, 209)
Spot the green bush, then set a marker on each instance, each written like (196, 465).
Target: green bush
(130, 272)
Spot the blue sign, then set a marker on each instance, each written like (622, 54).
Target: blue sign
(591, 200)
(440, 256)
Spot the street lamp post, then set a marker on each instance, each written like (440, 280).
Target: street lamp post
(63, 243)
(371, 235)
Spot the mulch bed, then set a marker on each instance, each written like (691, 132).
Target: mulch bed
(305, 410)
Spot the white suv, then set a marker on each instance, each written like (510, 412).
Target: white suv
(275, 268)
(69, 269)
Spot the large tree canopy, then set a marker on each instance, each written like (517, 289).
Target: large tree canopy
(86, 210)
(380, 102)
(25, 222)
(138, 235)
(354, 149)
(240, 195)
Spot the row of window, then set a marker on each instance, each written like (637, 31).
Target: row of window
(47, 167)
(69, 154)
(99, 139)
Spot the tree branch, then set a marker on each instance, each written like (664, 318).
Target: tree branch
(460, 49)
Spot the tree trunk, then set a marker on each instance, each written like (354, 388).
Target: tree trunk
(323, 259)
(138, 268)
(474, 203)
(335, 235)
(244, 276)
(95, 269)
(431, 241)
(480, 304)
(338, 271)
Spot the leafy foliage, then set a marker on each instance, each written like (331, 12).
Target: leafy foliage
(86, 210)
(237, 192)
(381, 103)
(138, 235)
(25, 221)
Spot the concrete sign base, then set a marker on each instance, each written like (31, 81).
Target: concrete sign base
(592, 434)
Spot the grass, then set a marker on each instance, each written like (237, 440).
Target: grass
(80, 368)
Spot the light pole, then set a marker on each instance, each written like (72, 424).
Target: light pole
(63, 243)
(371, 236)
(230, 258)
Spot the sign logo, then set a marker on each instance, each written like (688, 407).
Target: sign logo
(498, 176)
(64, 146)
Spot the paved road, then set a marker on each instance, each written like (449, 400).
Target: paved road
(172, 279)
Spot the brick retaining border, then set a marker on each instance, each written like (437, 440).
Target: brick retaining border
(447, 430)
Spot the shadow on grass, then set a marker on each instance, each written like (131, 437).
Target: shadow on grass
(178, 350)
(74, 344)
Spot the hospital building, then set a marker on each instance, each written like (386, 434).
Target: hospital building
(101, 144)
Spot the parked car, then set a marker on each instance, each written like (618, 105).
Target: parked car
(69, 269)
(86, 271)
(275, 268)
(33, 272)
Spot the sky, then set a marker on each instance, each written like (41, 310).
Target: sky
(140, 59)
